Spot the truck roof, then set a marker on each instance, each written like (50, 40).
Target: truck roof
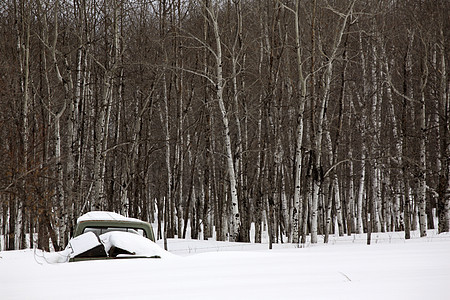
(105, 216)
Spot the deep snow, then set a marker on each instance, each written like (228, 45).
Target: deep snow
(105, 215)
(346, 268)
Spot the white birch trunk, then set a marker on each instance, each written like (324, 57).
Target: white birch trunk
(361, 193)
(320, 124)
(60, 183)
(258, 169)
(334, 188)
(299, 132)
(444, 131)
(362, 179)
(234, 63)
(317, 180)
(351, 224)
(220, 85)
(362, 182)
(284, 203)
(102, 128)
(67, 83)
(164, 113)
(374, 115)
(23, 48)
(179, 150)
(73, 139)
(101, 133)
(408, 207)
(422, 150)
(398, 140)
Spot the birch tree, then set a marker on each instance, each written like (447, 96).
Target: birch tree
(422, 147)
(295, 115)
(212, 11)
(23, 19)
(302, 91)
(444, 132)
(317, 146)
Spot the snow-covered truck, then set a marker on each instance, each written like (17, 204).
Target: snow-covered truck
(108, 235)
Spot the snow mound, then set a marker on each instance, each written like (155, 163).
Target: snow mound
(105, 216)
(53, 257)
(132, 243)
(115, 243)
(82, 243)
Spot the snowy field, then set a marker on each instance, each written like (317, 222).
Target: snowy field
(346, 268)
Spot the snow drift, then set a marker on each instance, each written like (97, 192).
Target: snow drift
(133, 244)
(390, 269)
(112, 244)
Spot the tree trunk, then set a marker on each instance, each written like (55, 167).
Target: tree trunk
(317, 146)
(62, 213)
(422, 150)
(375, 130)
(164, 112)
(351, 224)
(443, 206)
(220, 85)
(301, 85)
(407, 90)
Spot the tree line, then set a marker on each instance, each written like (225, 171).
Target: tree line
(307, 117)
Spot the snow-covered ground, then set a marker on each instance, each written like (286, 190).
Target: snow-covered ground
(346, 268)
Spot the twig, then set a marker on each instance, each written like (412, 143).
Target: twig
(348, 278)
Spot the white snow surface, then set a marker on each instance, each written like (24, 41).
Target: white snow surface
(105, 215)
(346, 268)
(83, 243)
(133, 243)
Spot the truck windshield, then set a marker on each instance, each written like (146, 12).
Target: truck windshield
(98, 230)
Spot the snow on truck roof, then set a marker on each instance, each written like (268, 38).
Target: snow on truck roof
(105, 216)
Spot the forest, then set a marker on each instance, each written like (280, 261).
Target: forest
(302, 117)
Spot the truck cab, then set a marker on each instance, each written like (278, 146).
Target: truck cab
(108, 235)
(100, 222)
